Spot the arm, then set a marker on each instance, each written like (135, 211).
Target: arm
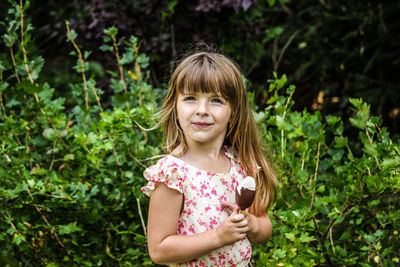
(260, 228)
(165, 246)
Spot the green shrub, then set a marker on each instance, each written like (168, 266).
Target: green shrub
(71, 169)
(70, 174)
(339, 196)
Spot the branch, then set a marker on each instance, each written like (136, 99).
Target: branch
(276, 62)
(54, 234)
(85, 86)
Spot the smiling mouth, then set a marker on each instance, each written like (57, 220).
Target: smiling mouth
(201, 124)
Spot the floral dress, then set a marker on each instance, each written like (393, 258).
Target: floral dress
(203, 192)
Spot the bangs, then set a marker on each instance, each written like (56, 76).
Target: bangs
(204, 75)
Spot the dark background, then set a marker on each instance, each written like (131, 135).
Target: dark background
(331, 49)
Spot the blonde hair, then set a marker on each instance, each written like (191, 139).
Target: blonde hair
(213, 72)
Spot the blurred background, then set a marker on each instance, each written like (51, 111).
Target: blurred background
(330, 50)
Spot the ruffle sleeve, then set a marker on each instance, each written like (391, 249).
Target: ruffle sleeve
(164, 171)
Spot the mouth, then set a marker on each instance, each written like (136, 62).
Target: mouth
(201, 124)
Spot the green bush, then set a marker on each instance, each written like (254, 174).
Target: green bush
(339, 196)
(71, 169)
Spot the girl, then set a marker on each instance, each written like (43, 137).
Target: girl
(212, 143)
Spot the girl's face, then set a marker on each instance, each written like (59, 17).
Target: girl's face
(203, 117)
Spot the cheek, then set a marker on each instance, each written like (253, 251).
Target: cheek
(227, 115)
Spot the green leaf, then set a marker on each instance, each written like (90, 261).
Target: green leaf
(370, 238)
(332, 120)
(107, 48)
(358, 122)
(112, 31)
(279, 253)
(271, 3)
(356, 102)
(290, 236)
(364, 110)
(370, 149)
(69, 157)
(282, 81)
(29, 87)
(49, 134)
(305, 238)
(12, 102)
(345, 236)
(290, 89)
(69, 228)
(340, 141)
(73, 35)
(92, 138)
(390, 163)
(18, 239)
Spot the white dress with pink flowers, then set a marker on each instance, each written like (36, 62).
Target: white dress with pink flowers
(203, 194)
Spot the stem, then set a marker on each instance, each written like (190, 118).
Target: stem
(141, 216)
(1, 95)
(116, 157)
(322, 242)
(282, 143)
(331, 239)
(120, 69)
(137, 161)
(14, 64)
(315, 185)
(24, 50)
(370, 141)
(7, 157)
(52, 158)
(283, 118)
(315, 177)
(13, 226)
(121, 72)
(137, 65)
(54, 234)
(347, 145)
(284, 49)
(108, 251)
(85, 86)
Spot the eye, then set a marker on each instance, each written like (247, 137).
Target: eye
(217, 100)
(189, 98)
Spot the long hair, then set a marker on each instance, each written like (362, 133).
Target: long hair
(214, 73)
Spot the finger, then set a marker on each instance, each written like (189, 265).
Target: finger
(241, 236)
(241, 224)
(237, 217)
(243, 230)
(233, 207)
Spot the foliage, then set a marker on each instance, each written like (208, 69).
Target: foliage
(71, 167)
(339, 197)
(70, 176)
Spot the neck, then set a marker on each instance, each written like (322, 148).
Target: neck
(198, 150)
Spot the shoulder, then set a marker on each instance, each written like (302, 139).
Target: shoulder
(166, 164)
(167, 170)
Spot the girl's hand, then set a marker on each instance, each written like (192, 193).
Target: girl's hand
(251, 221)
(259, 229)
(234, 228)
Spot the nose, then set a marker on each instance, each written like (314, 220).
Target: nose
(202, 108)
